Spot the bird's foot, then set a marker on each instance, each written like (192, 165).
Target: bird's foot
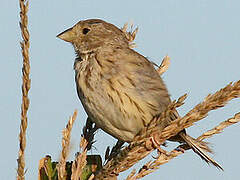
(179, 149)
(153, 142)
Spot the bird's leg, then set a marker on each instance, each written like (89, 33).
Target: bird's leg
(88, 132)
(182, 148)
(115, 150)
(153, 142)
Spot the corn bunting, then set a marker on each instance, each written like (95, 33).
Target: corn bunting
(119, 88)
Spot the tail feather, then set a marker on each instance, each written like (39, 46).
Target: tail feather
(200, 148)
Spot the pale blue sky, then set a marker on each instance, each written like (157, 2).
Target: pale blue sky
(201, 37)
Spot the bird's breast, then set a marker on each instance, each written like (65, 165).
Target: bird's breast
(107, 102)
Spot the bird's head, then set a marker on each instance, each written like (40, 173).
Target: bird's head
(90, 35)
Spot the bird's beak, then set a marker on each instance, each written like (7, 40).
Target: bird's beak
(67, 35)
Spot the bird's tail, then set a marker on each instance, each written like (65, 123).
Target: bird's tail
(201, 148)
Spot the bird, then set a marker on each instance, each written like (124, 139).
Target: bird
(120, 89)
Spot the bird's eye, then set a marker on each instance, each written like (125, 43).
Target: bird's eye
(85, 30)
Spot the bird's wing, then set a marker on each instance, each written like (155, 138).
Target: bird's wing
(140, 89)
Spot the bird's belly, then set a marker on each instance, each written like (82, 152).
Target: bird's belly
(110, 118)
(106, 112)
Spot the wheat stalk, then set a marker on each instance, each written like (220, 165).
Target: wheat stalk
(25, 87)
(218, 129)
(80, 161)
(130, 35)
(166, 157)
(65, 147)
(200, 111)
(164, 65)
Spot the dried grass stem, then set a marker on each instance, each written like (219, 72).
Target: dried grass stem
(25, 88)
(65, 147)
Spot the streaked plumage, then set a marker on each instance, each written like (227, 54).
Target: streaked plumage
(119, 88)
